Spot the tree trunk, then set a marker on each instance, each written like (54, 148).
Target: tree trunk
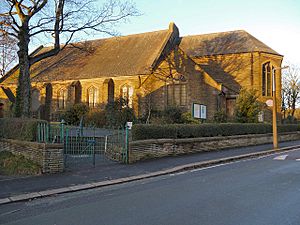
(293, 108)
(23, 98)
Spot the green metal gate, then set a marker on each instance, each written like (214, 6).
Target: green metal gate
(86, 145)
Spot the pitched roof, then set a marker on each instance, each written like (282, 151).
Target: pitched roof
(231, 42)
(134, 54)
(117, 56)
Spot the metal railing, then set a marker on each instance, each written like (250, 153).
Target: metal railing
(83, 141)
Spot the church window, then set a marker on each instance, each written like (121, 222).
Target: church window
(177, 94)
(267, 79)
(127, 95)
(92, 97)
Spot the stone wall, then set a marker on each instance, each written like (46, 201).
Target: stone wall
(146, 149)
(49, 156)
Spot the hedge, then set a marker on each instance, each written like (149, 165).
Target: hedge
(19, 128)
(142, 131)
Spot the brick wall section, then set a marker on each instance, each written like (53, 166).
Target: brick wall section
(146, 149)
(49, 156)
(53, 160)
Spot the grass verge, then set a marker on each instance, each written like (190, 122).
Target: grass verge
(11, 164)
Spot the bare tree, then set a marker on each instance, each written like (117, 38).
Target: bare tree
(59, 20)
(290, 89)
(8, 52)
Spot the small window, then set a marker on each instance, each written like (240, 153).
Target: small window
(62, 96)
(92, 97)
(127, 95)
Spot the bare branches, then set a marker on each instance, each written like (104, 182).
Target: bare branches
(59, 21)
(290, 89)
(7, 27)
(8, 53)
(69, 18)
(72, 17)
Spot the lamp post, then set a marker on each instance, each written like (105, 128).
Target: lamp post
(275, 134)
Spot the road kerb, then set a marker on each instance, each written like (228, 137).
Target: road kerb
(80, 187)
(24, 196)
(4, 201)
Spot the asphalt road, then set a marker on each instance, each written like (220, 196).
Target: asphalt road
(254, 192)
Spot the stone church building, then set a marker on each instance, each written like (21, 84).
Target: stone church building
(156, 69)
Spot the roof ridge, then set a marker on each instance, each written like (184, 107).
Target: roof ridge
(222, 32)
(118, 37)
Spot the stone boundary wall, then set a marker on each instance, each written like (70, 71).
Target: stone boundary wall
(157, 148)
(49, 156)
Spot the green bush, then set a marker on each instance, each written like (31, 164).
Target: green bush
(288, 128)
(189, 119)
(142, 131)
(289, 120)
(171, 115)
(19, 128)
(73, 114)
(220, 116)
(117, 114)
(174, 114)
(247, 106)
(96, 118)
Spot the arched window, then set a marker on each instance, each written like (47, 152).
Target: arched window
(92, 97)
(62, 96)
(127, 95)
(267, 69)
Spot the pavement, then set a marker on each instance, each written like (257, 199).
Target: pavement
(15, 189)
(260, 191)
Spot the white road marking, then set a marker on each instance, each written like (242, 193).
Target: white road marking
(281, 157)
(179, 173)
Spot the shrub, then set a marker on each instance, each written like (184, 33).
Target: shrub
(19, 128)
(171, 115)
(96, 118)
(174, 114)
(288, 128)
(189, 119)
(247, 106)
(142, 131)
(74, 113)
(220, 116)
(117, 113)
(289, 120)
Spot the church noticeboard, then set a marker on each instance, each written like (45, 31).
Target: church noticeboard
(199, 111)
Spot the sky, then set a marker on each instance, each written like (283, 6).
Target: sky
(274, 22)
